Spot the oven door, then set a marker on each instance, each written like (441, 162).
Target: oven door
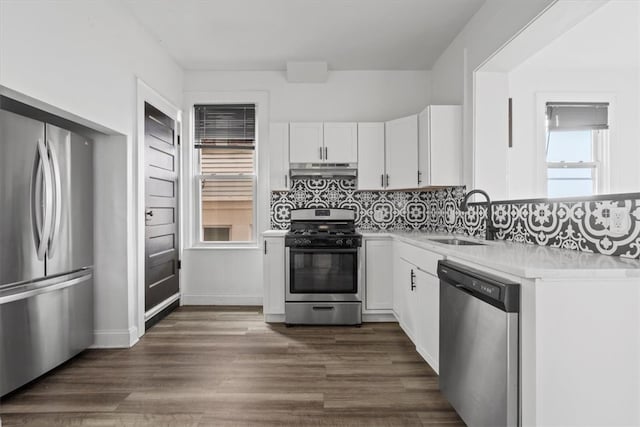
(322, 274)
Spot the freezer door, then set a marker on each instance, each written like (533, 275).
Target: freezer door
(71, 243)
(43, 324)
(19, 163)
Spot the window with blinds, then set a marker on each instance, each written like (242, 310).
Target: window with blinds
(225, 141)
(576, 145)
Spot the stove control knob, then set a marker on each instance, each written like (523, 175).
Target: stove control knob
(339, 242)
(349, 242)
(307, 241)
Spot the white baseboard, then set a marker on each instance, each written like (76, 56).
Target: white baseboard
(221, 300)
(274, 318)
(428, 358)
(378, 317)
(115, 338)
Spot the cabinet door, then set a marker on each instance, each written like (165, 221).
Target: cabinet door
(440, 145)
(305, 143)
(402, 152)
(399, 283)
(424, 149)
(370, 156)
(428, 322)
(378, 275)
(274, 278)
(410, 301)
(405, 303)
(341, 142)
(279, 156)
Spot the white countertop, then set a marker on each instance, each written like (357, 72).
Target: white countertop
(521, 259)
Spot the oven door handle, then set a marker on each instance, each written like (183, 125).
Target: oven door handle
(324, 250)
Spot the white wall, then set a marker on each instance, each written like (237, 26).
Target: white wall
(214, 276)
(346, 96)
(599, 56)
(491, 134)
(492, 26)
(83, 58)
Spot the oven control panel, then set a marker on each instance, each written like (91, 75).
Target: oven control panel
(324, 242)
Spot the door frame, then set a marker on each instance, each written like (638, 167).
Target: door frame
(145, 93)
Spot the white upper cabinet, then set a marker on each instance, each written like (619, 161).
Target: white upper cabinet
(440, 145)
(306, 142)
(341, 142)
(279, 156)
(323, 142)
(371, 156)
(402, 153)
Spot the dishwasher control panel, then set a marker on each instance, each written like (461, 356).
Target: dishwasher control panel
(494, 290)
(485, 288)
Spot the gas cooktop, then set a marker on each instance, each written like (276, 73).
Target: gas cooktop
(325, 228)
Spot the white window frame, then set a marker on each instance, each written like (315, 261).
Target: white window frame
(192, 182)
(599, 140)
(601, 155)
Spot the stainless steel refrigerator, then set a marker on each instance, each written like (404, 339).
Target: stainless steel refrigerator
(46, 247)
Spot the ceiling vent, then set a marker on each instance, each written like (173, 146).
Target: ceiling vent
(307, 72)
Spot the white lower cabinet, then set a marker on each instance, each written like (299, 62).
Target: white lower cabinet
(416, 298)
(428, 324)
(409, 295)
(378, 275)
(274, 278)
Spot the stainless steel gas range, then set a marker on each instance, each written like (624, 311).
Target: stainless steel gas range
(323, 268)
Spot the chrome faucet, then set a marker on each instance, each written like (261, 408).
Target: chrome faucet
(488, 223)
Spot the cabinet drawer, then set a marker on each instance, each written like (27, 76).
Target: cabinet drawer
(421, 258)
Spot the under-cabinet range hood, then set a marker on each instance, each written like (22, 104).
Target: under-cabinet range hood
(323, 170)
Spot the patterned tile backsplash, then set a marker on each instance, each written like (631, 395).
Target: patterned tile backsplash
(375, 210)
(577, 225)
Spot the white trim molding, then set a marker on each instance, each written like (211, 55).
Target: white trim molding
(115, 338)
(158, 308)
(221, 300)
(192, 219)
(604, 169)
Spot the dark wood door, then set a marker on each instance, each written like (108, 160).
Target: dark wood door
(161, 208)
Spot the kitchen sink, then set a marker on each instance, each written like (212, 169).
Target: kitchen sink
(448, 241)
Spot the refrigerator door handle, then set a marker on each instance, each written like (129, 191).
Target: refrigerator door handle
(40, 211)
(57, 209)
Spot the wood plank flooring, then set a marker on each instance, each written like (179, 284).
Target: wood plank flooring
(223, 366)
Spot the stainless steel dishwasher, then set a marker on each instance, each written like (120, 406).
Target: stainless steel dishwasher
(479, 345)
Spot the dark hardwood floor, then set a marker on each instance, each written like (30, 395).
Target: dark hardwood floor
(224, 366)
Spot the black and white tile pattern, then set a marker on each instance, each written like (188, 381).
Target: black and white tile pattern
(375, 210)
(576, 225)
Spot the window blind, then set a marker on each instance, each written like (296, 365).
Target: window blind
(224, 125)
(578, 115)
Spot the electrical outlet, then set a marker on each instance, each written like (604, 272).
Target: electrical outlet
(618, 220)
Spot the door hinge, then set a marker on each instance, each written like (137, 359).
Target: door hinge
(265, 247)
(419, 177)
(179, 264)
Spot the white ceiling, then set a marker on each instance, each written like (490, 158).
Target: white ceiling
(265, 34)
